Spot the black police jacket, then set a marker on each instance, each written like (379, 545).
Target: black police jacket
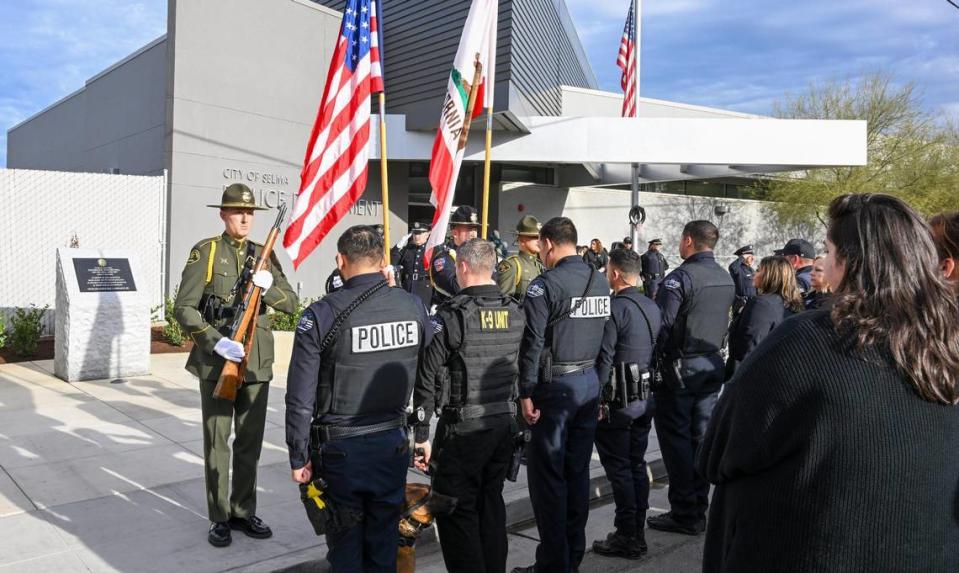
(572, 336)
(630, 334)
(759, 318)
(366, 376)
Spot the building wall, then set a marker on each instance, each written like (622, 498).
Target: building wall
(115, 122)
(247, 79)
(603, 214)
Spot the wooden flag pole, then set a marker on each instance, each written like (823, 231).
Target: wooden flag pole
(486, 170)
(384, 181)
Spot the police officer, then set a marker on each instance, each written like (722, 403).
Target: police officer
(409, 263)
(654, 267)
(742, 272)
(515, 273)
(476, 336)
(622, 436)
(801, 255)
(464, 225)
(566, 311)
(351, 376)
(626, 243)
(695, 301)
(204, 308)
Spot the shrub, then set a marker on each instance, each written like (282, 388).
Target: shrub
(3, 332)
(287, 322)
(172, 332)
(25, 329)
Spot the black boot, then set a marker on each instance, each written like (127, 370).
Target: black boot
(619, 544)
(668, 522)
(253, 526)
(219, 535)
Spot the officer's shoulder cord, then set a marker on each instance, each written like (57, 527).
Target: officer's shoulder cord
(579, 303)
(341, 318)
(649, 326)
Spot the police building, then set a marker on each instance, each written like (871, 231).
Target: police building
(230, 92)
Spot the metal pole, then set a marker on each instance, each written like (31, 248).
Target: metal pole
(385, 182)
(486, 170)
(637, 22)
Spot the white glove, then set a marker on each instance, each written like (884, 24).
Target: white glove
(229, 349)
(263, 279)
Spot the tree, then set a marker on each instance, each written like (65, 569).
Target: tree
(912, 154)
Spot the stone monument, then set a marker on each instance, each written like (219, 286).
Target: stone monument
(102, 317)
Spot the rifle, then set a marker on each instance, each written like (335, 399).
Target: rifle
(244, 323)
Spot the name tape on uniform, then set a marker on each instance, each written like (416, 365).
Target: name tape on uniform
(592, 307)
(385, 336)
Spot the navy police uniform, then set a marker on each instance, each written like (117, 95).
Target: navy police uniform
(476, 336)
(761, 315)
(345, 410)
(804, 279)
(654, 269)
(442, 274)
(411, 273)
(742, 275)
(695, 301)
(566, 311)
(629, 340)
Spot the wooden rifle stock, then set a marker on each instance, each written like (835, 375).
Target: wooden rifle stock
(244, 326)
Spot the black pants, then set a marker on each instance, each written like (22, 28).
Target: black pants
(682, 417)
(367, 473)
(471, 467)
(558, 458)
(622, 442)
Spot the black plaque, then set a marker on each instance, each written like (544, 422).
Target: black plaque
(104, 275)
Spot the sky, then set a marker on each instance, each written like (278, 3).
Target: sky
(741, 55)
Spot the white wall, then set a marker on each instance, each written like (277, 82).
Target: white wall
(43, 210)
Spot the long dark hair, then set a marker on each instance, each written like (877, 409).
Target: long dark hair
(892, 294)
(779, 277)
(945, 231)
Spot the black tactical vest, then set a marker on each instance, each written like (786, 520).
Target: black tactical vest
(703, 320)
(484, 369)
(371, 367)
(576, 338)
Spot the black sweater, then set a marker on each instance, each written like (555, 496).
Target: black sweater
(825, 461)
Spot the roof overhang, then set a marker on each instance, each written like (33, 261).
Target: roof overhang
(667, 148)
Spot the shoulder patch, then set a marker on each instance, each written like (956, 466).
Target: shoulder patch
(536, 289)
(439, 263)
(503, 266)
(437, 323)
(307, 322)
(672, 283)
(194, 256)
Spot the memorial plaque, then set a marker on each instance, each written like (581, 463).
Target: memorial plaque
(104, 275)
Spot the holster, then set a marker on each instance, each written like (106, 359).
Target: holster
(520, 439)
(630, 383)
(672, 377)
(325, 515)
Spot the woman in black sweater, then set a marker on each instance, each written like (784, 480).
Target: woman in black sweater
(778, 299)
(834, 446)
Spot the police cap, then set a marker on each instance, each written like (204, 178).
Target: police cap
(801, 248)
(418, 228)
(747, 250)
(656, 242)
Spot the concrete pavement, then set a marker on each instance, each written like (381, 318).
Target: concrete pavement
(108, 476)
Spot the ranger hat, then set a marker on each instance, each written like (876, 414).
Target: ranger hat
(801, 248)
(528, 226)
(238, 196)
(418, 228)
(656, 242)
(464, 215)
(747, 250)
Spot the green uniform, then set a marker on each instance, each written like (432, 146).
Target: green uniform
(515, 273)
(211, 270)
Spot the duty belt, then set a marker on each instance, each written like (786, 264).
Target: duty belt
(566, 368)
(326, 434)
(463, 413)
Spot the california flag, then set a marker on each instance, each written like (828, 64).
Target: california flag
(470, 88)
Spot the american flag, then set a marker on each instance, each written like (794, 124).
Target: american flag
(335, 168)
(627, 61)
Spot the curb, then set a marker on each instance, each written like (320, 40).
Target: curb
(519, 515)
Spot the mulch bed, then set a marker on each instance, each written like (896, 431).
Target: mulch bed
(45, 348)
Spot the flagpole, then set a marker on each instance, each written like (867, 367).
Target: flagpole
(637, 23)
(486, 170)
(385, 182)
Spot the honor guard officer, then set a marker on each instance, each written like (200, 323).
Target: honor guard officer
(626, 243)
(411, 272)
(742, 272)
(464, 225)
(351, 376)
(801, 255)
(623, 434)
(654, 267)
(566, 311)
(208, 294)
(695, 301)
(515, 273)
(476, 336)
